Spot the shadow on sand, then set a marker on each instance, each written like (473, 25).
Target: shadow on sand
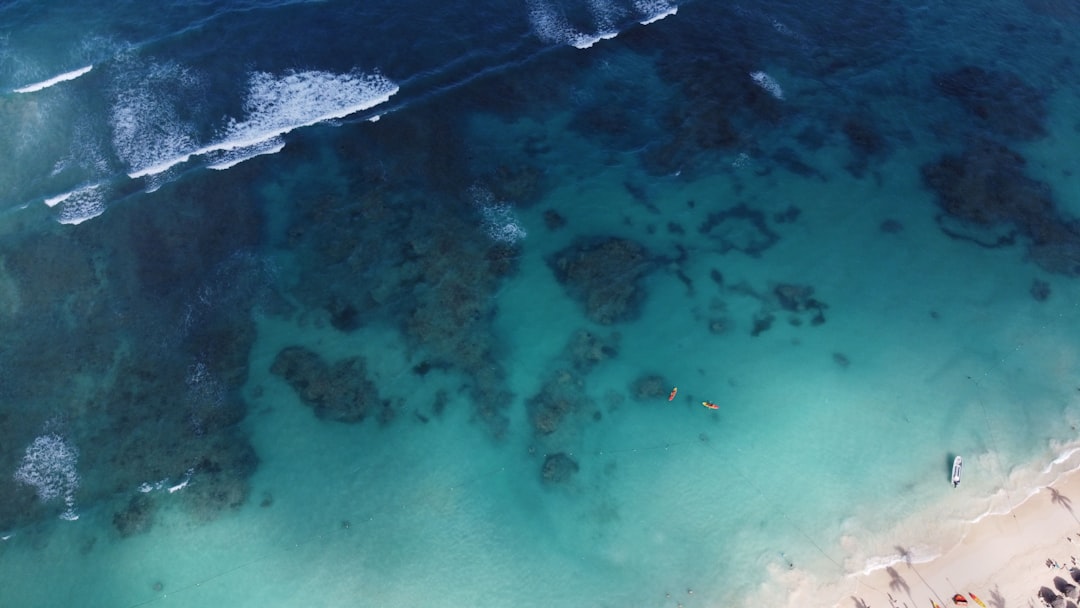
(897, 582)
(1064, 501)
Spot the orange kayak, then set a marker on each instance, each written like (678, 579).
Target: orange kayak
(977, 600)
(710, 405)
(959, 600)
(671, 395)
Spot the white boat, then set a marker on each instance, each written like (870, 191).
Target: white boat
(957, 466)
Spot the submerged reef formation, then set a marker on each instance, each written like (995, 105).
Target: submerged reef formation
(136, 517)
(562, 393)
(866, 142)
(741, 228)
(724, 100)
(796, 300)
(558, 468)
(127, 337)
(605, 275)
(799, 299)
(649, 387)
(986, 198)
(402, 235)
(999, 101)
(340, 391)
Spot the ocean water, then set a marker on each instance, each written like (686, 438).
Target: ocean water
(381, 304)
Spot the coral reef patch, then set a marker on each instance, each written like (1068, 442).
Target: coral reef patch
(137, 517)
(340, 391)
(129, 337)
(558, 468)
(997, 100)
(986, 197)
(412, 246)
(739, 228)
(562, 393)
(606, 275)
(649, 387)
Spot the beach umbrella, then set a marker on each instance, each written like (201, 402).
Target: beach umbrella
(959, 600)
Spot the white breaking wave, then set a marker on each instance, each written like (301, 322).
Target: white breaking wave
(276, 105)
(768, 83)
(654, 10)
(231, 158)
(606, 15)
(548, 24)
(148, 130)
(551, 26)
(44, 84)
(79, 205)
(163, 484)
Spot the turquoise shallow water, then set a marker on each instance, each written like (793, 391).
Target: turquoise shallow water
(425, 359)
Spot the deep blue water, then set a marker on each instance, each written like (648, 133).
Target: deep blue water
(378, 304)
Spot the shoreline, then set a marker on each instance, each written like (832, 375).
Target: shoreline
(1002, 558)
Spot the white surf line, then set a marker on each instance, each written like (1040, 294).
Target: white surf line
(654, 10)
(44, 84)
(262, 137)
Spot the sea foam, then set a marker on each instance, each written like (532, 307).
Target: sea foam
(768, 83)
(551, 26)
(498, 216)
(654, 10)
(49, 466)
(79, 205)
(44, 84)
(275, 105)
(149, 131)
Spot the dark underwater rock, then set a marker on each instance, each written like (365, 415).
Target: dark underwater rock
(891, 226)
(605, 275)
(561, 395)
(554, 220)
(796, 298)
(740, 228)
(865, 141)
(649, 387)
(341, 391)
(586, 349)
(998, 100)
(985, 188)
(563, 392)
(558, 468)
(137, 517)
(1040, 290)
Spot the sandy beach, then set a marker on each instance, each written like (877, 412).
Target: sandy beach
(1003, 559)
